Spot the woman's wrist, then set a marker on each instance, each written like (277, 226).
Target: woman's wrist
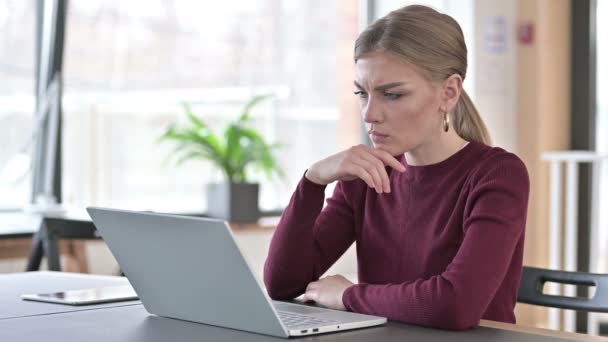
(345, 293)
(312, 176)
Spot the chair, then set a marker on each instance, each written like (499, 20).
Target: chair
(533, 279)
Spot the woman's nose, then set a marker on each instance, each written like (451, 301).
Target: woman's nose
(371, 112)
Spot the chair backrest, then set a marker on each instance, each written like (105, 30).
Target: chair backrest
(533, 280)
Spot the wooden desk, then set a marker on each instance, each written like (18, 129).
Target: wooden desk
(73, 251)
(18, 230)
(36, 236)
(539, 331)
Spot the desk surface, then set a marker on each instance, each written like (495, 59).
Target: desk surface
(134, 324)
(47, 229)
(20, 224)
(12, 286)
(130, 322)
(14, 225)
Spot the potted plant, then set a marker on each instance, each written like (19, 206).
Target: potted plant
(235, 153)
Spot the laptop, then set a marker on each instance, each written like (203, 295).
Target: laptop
(191, 268)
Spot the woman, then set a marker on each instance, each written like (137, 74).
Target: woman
(438, 216)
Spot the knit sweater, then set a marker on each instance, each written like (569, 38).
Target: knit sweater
(443, 249)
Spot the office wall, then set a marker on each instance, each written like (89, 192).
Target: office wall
(495, 57)
(543, 114)
(522, 92)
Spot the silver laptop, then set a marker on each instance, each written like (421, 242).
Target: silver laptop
(192, 269)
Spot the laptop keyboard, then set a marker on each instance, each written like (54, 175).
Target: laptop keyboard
(294, 320)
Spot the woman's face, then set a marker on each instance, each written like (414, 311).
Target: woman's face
(401, 108)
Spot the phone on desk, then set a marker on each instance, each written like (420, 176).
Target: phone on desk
(87, 296)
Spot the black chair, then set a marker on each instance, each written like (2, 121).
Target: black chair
(533, 280)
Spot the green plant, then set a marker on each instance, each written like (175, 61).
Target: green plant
(242, 145)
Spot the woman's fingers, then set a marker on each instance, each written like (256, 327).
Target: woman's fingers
(387, 159)
(359, 171)
(311, 292)
(374, 162)
(311, 286)
(379, 169)
(359, 161)
(372, 168)
(310, 296)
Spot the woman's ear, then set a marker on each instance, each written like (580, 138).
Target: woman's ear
(451, 91)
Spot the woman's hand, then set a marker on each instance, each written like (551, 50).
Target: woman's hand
(328, 291)
(359, 161)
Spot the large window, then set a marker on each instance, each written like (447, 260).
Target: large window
(17, 78)
(129, 64)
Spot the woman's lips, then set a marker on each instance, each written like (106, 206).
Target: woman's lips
(378, 138)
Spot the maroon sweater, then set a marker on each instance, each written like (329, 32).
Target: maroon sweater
(443, 249)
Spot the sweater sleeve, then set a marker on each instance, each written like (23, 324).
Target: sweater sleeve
(456, 299)
(308, 239)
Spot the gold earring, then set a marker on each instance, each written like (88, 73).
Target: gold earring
(446, 121)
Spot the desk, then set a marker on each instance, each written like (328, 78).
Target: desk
(132, 323)
(45, 232)
(14, 225)
(12, 286)
(16, 231)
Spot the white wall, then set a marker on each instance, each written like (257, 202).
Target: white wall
(496, 62)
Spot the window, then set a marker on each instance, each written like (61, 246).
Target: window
(17, 83)
(129, 64)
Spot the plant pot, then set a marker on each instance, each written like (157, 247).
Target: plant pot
(233, 202)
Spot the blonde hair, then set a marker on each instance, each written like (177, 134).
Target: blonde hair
(434, 43)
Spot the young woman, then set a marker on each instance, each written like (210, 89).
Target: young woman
(438, 216)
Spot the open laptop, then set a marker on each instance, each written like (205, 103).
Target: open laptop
(192, 269)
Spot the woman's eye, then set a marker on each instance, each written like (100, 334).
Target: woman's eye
(361, 94)
(392, 96)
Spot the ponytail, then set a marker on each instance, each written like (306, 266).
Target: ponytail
(467, 121)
